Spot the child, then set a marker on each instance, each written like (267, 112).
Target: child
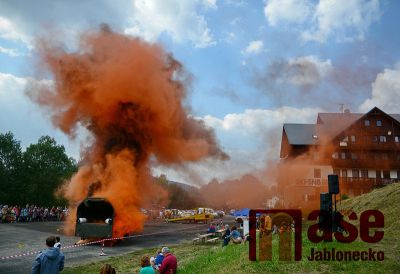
(57, 244)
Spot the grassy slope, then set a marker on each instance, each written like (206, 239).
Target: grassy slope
(234, 258)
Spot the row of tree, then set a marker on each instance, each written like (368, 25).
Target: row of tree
(33, 175)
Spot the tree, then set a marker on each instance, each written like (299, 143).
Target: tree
(10, 165)
(46, 167)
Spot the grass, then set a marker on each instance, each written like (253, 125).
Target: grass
(234, 258)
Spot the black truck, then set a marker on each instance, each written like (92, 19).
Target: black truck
(94, 219)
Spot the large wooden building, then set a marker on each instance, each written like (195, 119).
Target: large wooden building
(363, 149)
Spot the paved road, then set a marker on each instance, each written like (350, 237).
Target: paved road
(26, 237)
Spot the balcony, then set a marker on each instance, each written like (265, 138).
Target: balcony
(368, 163)
(366, 182)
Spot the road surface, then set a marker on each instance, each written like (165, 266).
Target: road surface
(19, 238)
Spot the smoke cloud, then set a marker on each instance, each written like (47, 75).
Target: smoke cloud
(247, 191)
(129, 95)
(308, 81)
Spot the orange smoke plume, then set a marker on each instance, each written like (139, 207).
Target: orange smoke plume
(129, 94)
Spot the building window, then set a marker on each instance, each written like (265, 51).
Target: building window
(343, 155)
(378, 123)
(375, 139)
(354, 156)
(355, 173)
(364, 173)
(344, 172)
(382, 139)
(335, 155)
(396, 139)
(384, 156)
(366, 123)
(378, 174)
(317, 173)
(353, 139)
(398, 174)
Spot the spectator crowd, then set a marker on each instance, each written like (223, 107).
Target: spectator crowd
(32, 213)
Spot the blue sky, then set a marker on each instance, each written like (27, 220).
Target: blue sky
(255, 65)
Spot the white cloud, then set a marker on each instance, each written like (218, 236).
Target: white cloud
(10, 85)
(344, 20)
(255, 122)
(9, 31)
(210, 4)
(179, 19)
(200, 173)
(385, 92)
(290, 11)
(10, 52)
(24, 119)
(182, 20)
(252, 138)
(341, 20)
(22, 21)
(254, 47)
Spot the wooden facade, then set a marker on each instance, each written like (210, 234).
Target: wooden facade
(363, 149)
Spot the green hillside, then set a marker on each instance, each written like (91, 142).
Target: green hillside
(386, 199)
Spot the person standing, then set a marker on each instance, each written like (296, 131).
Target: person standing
(169, 264)
(146, 266)
(49, 261)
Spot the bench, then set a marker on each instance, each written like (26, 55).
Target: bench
(196, 240)
(213, 240)
(220, 233)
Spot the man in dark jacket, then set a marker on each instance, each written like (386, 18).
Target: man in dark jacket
(226, 236)
(50, 261)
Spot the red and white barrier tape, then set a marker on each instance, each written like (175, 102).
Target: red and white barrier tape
(94, 242)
